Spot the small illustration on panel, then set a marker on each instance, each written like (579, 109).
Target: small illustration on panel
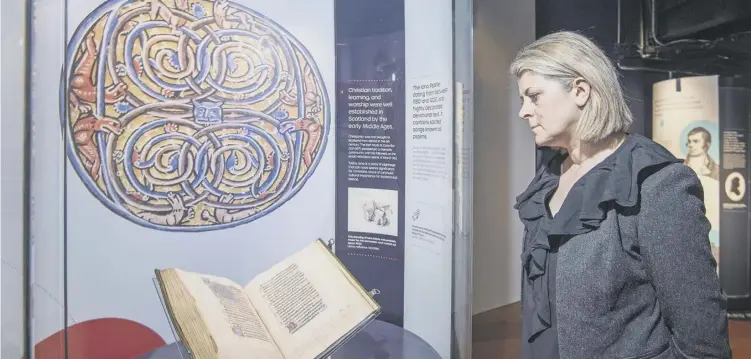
(373, 211)
(433, 226)
(191, 115)
(735, 187)
(377, 213)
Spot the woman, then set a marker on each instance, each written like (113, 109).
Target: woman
(616, 260)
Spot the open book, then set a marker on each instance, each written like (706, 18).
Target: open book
(301, 308)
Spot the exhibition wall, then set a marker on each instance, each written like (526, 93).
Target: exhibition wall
(504, 151)
(157, 149)
(11, 166)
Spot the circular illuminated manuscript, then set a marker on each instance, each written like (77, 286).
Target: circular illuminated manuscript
(191, 115)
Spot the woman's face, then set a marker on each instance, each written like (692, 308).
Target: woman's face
(550, 109)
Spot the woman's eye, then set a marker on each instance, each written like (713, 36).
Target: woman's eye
(533, 97)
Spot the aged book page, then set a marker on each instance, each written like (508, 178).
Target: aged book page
(230, 318)
(309, 302)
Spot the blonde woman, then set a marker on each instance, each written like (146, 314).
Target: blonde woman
(616, 260)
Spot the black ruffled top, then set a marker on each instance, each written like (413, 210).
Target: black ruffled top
(616, 179)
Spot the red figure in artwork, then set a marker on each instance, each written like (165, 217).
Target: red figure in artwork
(82, 89)
(313, 129)
(103, 338)
(83, 136)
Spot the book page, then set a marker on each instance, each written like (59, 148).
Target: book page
(233, 322)
(308, 303)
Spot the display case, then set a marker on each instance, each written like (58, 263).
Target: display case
(220, 136)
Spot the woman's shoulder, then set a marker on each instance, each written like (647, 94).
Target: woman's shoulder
(644, 151)
(655, 168)
(670, 182)
(621, 176)
(638, 157)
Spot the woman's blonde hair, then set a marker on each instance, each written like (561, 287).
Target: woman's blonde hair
(564, 56)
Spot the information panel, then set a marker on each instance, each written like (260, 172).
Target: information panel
(395, 141)
(429, 209)
(370, 149)
(735, 172)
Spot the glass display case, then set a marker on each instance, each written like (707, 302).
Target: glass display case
(221, 137)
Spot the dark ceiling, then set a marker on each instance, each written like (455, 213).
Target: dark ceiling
(690, 36)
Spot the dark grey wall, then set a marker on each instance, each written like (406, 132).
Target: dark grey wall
(503, 151)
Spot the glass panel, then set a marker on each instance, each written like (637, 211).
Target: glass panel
(46, 215)
(13, 132)
(220, 137)
(463, 161)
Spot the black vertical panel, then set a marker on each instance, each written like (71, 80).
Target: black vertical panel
(370, 143)
(735, 232)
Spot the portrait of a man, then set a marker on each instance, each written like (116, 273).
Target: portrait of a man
(698, 142)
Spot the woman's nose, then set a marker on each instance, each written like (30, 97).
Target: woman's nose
(525, 111)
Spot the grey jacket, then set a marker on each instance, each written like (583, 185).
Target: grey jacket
(635, 277)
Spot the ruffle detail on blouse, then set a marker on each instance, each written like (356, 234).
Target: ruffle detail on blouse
(615, 180)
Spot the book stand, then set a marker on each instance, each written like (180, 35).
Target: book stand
(176, 350)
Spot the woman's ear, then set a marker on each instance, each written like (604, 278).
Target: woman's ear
(581, 91)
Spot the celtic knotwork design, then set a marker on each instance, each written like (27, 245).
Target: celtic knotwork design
(191, 115)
